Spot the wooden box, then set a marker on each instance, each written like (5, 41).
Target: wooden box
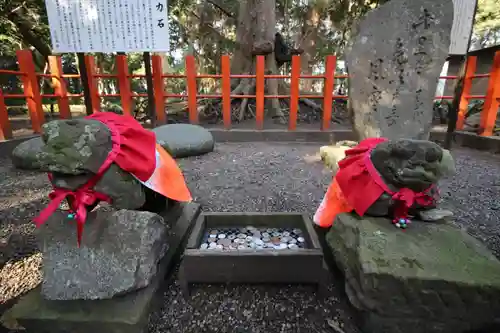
(303, 265)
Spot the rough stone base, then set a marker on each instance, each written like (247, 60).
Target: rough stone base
(433, 278)
(125, 314)
(376, 323)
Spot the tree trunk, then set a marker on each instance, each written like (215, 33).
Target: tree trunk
(256, 29)
(308, 44)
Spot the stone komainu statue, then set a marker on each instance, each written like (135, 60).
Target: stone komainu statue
(379, 177)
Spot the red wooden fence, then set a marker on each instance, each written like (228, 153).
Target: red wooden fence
(34, 99)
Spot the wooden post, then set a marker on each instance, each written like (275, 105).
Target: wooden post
(31, 89)
(146, 56)
(455, 104)
(82, 68)
(5, 128)
(124, 84)
(492, 100)
(294, 93)
(460, 101)
(453, 114)
(467, 86)
(226, 90)
(92, 84)
(55, 65)
(158, 83)
(329, 84)
(259, 91)
(192, 89)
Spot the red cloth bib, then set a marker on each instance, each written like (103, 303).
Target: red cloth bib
(133, 150)
(362, 185)
(357, 185)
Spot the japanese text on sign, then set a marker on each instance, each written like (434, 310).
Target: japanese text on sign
(108, 25)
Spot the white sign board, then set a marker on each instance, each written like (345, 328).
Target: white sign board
(108, 25)
(462, 25)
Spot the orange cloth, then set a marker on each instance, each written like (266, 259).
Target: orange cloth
(167, 178)
(333, 203)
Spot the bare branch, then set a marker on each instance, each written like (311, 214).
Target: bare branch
(219, 7)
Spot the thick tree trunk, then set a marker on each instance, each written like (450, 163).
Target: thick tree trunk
(308, 44)
(255, 35)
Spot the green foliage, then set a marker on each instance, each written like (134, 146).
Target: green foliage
(487, 23)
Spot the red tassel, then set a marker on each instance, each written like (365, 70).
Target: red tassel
(79, 231)
(401, 211)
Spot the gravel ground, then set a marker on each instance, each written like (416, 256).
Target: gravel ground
(252, 177)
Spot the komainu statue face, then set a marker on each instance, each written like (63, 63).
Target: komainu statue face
(413, 164)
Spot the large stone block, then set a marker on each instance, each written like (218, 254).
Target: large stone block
(119, 253)
(434, 273)
(122, 314)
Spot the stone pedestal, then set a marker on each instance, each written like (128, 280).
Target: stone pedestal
(123, 314)
(431, 278)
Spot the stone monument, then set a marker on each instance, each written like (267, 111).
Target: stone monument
(394, 65)
(106, 172)
(427, 275)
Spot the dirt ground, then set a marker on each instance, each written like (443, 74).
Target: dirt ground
(246, 177)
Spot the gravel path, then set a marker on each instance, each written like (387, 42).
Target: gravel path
(258, 177)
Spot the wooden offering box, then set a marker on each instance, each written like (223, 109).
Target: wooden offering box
(302, 264)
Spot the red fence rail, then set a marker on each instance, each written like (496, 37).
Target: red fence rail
(33, 97)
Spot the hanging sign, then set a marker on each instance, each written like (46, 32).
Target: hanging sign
(108, 25)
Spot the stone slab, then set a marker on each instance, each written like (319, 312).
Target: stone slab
(125, 314)
(184, 140)
(432, 272)
(394, 65)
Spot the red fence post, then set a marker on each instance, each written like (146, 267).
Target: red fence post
(328, 86)
(259, 91)
(94, 91)
(492, 100)
(464, 98)
(5, 128)
(31, 89)
(294, 92)
(158, 88)
(124, 84)
(55, 65)
(192, 89)
(226, 90)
